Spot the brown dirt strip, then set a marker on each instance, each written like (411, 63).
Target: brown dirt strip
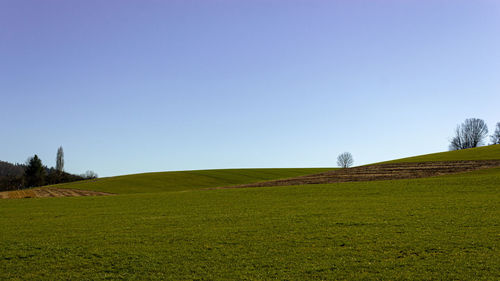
(44, 192)
(381, 172)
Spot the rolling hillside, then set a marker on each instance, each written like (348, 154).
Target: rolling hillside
(186, 180)
(440, 228)
(452, 161)
(412, 167)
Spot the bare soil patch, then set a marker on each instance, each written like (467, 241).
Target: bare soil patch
(381, 172)
(44, 192)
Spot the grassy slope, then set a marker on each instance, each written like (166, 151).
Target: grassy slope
(491, 152)
(187, 180)
(435, 228)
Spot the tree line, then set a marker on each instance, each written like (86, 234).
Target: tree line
(34, 173)
(472, 133)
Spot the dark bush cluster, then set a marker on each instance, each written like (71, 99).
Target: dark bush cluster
(34, 173)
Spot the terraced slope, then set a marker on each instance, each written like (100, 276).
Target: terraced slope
(429, 165)
(186, 180)
(391, 171)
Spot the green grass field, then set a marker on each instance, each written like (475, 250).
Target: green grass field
(441, 228)
(187, 180)
(490, 152)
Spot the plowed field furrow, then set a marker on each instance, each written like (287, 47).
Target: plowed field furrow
(382, 172)
(45, 192)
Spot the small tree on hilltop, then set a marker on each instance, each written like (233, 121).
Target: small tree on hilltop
(90, 175)
(469, 134)
(35, 172)
(60, 160)
(345, 160)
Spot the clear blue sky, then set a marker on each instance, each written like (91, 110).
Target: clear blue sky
(138, 86)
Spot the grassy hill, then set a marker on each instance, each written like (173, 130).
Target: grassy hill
(426, 229)
(491, 152)
(187, 180)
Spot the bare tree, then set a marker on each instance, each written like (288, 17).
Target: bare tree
(495, 138)
(345, 160)
(60, 160)
(469, 134)
(458, 141)
(90, 175)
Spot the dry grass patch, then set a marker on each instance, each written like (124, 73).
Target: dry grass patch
(44, 192)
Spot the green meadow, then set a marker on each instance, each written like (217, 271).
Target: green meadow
(440, 228)
(188, 180)
(491, 152)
